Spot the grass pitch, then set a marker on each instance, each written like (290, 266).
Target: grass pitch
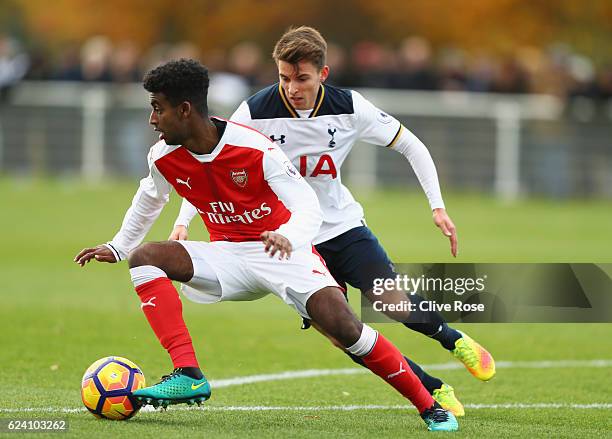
(57, 318)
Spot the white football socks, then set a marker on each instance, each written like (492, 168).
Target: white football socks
(366, 342)
(145, 273)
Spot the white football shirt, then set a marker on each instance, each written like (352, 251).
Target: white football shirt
(318, 141)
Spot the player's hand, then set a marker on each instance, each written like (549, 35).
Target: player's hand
(179, 234)
(275, 242)
(443, 221)
(100, 253)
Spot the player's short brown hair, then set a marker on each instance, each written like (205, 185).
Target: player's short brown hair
(302, 43)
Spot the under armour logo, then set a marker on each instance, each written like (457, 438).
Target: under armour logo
(281, 138)
(383, 117)
(148, 303)
(186, 183)
(400, 371)
(331, 132)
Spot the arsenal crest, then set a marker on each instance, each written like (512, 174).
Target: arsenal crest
(239, 176)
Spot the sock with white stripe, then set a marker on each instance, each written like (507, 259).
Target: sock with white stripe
(163, 309)
(385, 360)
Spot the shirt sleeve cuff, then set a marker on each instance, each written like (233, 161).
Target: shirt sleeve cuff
(437, 205)
(115, 252)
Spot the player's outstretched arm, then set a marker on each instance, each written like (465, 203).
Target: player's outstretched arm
(100, 253)
(419, 158)
(446, 225)
(379, 128)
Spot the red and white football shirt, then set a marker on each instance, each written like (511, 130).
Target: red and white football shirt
(245, 186)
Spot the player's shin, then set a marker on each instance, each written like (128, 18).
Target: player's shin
(385, 360)
(427, 322)
(431, 324)
(163, 309)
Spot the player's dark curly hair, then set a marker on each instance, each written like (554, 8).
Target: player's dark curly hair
(180, 81)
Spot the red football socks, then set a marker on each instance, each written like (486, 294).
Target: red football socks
(386, 361)
(164, 311)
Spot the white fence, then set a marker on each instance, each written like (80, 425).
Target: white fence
(505, 112)
(507, 144)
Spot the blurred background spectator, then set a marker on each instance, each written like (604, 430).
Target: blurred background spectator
(14, 63)
(412, 64)
(514, 46)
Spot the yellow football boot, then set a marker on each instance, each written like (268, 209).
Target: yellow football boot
(474, 357)
(445, 396)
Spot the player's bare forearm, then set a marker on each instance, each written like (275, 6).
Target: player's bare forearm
(276, 243)
(100, 253)
(446, 225)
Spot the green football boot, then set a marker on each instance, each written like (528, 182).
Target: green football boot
(438, 419)
(176, 388)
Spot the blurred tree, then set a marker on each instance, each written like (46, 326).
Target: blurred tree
(495, 25)
(500, 25)
(11, 19)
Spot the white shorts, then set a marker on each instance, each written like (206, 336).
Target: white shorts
(236, 271)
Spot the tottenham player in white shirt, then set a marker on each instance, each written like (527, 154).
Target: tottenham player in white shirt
(316, 125)
(254, 203)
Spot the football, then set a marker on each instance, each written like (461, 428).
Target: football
(107, 386)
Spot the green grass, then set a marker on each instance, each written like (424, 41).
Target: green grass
(57, 318)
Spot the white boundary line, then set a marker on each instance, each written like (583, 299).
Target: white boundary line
(309, 373)
(344, 408)
(290, 375)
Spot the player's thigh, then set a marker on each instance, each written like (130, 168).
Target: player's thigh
(169, 256)
(204, 286)
(221, 272)
(295, 279)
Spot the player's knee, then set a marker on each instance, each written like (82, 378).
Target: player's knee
(144, 254)
(330, 310)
